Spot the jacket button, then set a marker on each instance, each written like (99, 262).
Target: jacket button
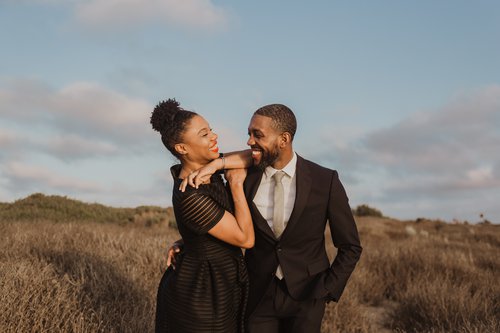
(278, 247)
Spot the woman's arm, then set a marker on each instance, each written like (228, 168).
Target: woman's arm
(236, 229)
(234, 160)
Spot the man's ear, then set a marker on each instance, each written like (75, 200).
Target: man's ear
(181, 148)
(285, 139)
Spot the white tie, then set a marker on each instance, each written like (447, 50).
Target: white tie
(279, 211)
(279, 205)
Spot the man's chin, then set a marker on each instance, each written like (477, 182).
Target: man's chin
(264, 163)
(262, 166)
(256, 161)
(263, 160)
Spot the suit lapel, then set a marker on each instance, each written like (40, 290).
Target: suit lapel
(252, 183)
(303, 188)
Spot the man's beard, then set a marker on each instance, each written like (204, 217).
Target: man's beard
(268, 158)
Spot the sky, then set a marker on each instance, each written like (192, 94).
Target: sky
(402, 98)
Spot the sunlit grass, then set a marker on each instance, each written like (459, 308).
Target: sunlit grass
(85, 276)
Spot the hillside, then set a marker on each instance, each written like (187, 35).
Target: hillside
(40, 207)
(99, 271)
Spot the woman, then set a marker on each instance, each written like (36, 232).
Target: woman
(207, 291)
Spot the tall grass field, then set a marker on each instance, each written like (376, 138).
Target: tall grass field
(68, 266)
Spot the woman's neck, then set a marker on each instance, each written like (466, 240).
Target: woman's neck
(189, 166)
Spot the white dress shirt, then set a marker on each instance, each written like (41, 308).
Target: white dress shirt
(264, 198)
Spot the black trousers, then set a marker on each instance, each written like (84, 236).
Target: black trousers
(279, 312)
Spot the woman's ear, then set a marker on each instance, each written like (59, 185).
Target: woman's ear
(181, 148)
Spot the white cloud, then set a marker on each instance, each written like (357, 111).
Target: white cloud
(81, 119)
(427, 163)
(199, 14)
(102, 110)
(480, 176)
(74, 147)
(446, 158)
(37, 1)
(97, 14)
(21, 175)
(462, 136)
(7, 138)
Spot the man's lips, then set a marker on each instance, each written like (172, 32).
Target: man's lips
(256, 152)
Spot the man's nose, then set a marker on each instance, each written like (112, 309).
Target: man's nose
(250, 141)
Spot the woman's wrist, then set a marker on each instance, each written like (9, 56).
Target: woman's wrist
(219, 163)
(236, 185)
(238, 196)
(223, 160)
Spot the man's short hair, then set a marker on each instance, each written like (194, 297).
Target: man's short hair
(282, 117)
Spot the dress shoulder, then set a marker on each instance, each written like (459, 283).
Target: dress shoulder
(200, 212)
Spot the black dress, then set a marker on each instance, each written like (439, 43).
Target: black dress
(208, 290)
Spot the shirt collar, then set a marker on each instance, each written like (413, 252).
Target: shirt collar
(289, 169)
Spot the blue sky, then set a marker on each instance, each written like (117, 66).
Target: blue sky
(402, 98)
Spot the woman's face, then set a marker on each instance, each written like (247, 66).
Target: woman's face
(199, 141)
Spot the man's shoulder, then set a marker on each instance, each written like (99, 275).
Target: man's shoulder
(313, 166)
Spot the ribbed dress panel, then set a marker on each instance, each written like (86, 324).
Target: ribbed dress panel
(207, 291)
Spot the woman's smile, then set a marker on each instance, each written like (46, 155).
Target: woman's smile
(214, 148)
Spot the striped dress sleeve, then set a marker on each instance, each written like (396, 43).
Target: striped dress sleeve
(200, 212)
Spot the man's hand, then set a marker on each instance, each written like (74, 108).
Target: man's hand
(235, 176)
(174, 250)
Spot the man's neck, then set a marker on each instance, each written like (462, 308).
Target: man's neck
(283, 160)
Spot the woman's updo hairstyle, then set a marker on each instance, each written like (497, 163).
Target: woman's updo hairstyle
(170, 120)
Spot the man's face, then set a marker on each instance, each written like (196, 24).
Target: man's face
(263, 139)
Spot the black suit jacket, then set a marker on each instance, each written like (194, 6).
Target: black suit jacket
(320, 197)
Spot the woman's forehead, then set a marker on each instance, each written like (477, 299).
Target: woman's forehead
(197, 123)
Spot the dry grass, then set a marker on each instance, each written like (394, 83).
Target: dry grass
(79, 277)
(422, 277)
(95, 277)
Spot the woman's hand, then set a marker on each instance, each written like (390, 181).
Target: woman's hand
(198, 177)
(234, 160)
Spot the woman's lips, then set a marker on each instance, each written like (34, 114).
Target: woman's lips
(214, 148)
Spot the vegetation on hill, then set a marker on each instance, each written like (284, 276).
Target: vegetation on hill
(40, 207)
(365, 210)
(418, 276)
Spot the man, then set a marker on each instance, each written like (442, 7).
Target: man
(291, 199)
(290, 275)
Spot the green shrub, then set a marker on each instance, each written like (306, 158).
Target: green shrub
(365, 210)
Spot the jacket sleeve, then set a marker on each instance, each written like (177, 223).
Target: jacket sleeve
(345, 238)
